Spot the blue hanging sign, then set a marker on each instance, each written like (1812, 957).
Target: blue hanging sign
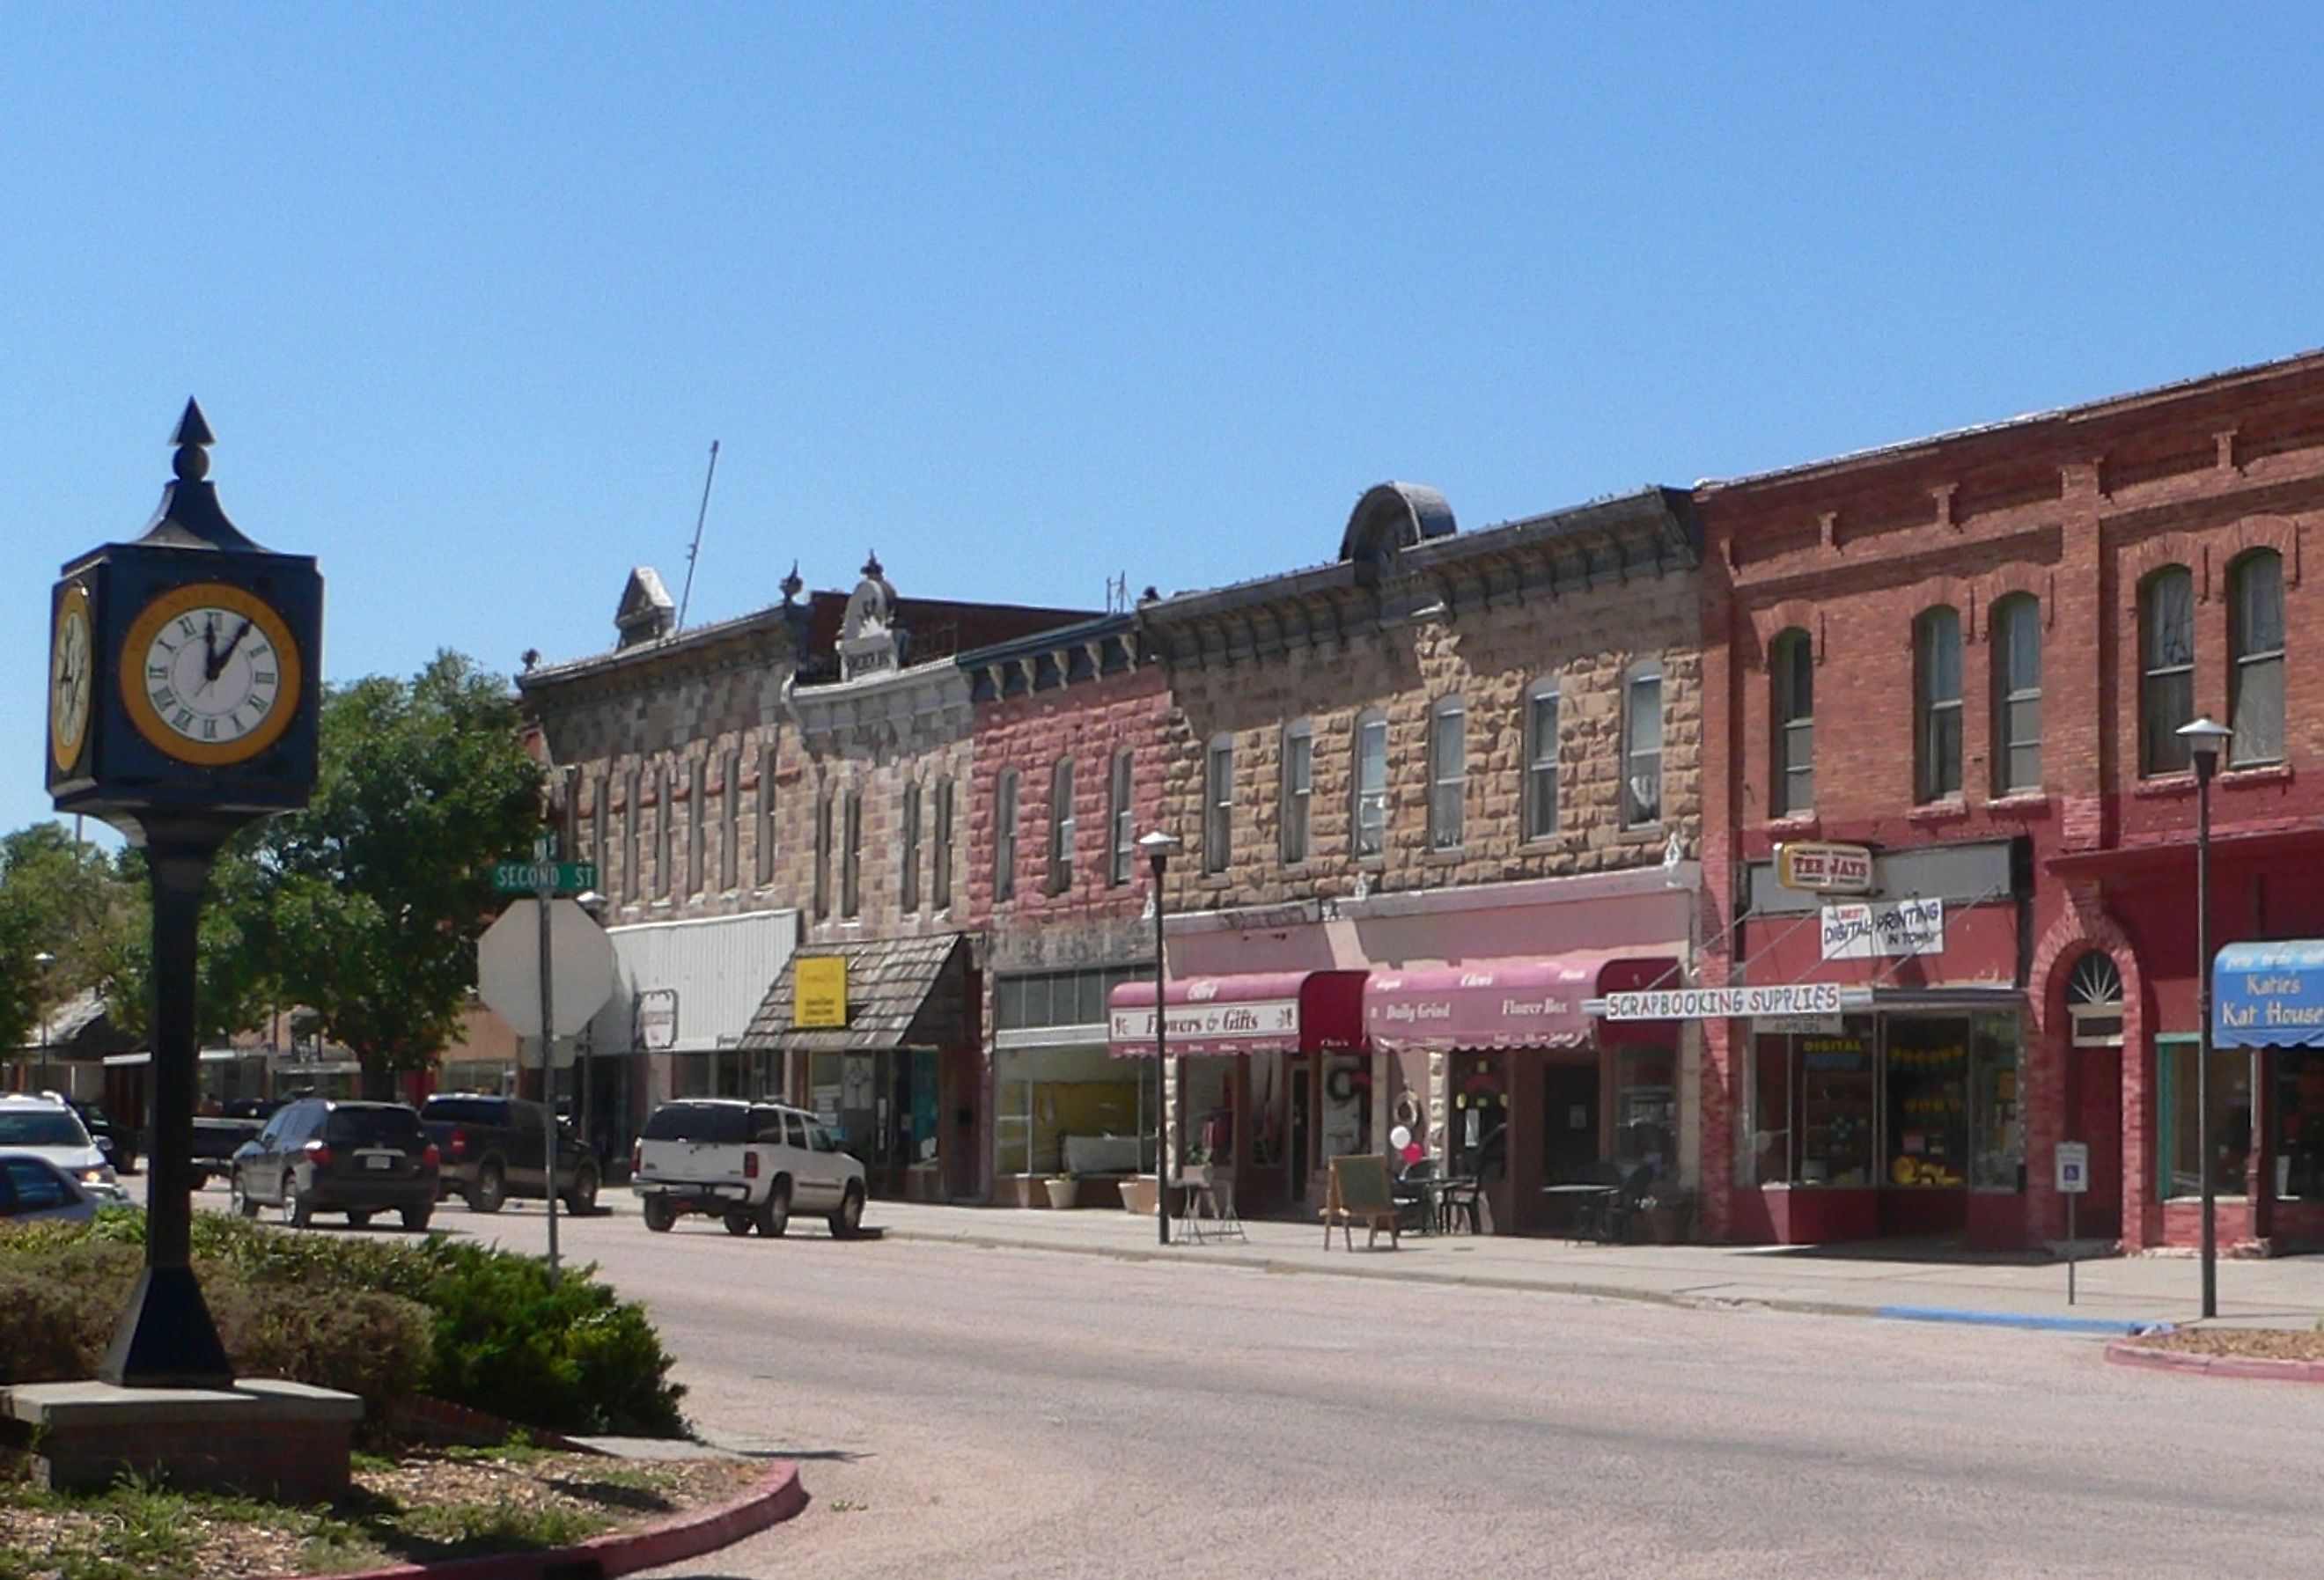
(2268, 995)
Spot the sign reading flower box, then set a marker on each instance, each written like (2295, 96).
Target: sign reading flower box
(1884, 928)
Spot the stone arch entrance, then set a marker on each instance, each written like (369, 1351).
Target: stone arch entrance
(2094, 1024)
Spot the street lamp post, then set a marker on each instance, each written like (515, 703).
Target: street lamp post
(1158, 846)
(44, 960)
(2205, 737)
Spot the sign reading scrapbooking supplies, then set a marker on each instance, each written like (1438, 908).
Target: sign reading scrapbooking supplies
(1874, 929)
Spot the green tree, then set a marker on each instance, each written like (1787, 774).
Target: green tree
(374, 892)
(236, 984)
(66, 899)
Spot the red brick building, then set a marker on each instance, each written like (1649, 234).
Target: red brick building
(1972, 654)
(1069, 735)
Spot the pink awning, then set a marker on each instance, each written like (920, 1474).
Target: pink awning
(1286, 1012)
(1495, 1004)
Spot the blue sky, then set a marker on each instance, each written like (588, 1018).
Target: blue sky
(1028, 295)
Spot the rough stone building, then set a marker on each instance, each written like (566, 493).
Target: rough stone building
(1971, 656)
(1433, 796)
(1070, 731)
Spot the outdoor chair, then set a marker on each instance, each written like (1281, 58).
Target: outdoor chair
(1620, 1213)
(1591, 1213)
(1464, 1201)
(1412, 1198)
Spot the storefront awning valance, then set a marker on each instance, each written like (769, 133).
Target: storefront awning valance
(1269, 1011)
(899, 992)
(2269, 995)
(1500, 1005)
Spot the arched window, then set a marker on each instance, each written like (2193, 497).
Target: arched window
(2255, 651)
(1369, 782)
(2094, 1002)
(1541, 760)
(2016, 644)
(1298, 787)
(1448, 774)
(1937, 705)
(2166, 677)
(1791, 677)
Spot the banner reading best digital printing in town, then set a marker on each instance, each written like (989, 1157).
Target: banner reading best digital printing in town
(1724, 1004)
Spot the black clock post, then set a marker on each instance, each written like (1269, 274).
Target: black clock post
(184, 685)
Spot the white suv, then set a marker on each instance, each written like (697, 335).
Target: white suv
(47, 1127)
(747, 1164)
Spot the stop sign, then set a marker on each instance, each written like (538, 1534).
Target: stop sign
(580, 966)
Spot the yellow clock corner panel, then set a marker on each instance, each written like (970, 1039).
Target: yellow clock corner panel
(72, 659)
(209, 674)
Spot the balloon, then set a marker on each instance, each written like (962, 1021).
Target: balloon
(1400, 1138)
(1412, 1153)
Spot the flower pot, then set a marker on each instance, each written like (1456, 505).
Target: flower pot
(1139, 1195)
(1064, 1192)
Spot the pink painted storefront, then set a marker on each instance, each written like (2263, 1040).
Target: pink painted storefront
(1301, 1032)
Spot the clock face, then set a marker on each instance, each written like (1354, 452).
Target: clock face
(72, 658)
(210, 674)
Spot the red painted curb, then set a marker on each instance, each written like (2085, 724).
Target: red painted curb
(776, 1498)
(2258, 1368)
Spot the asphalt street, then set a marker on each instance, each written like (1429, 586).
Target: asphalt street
(975, 1412)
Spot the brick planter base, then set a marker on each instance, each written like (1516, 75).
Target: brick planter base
(271, 1439)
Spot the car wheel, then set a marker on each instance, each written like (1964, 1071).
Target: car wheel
(660, 1214)
(358, 1220)
(849, 1218)
(775, 1213)
(415, 1218)
(295, 1208)
(581, 1200)
(490, 1190)
(738, 1221)
(238, 1197)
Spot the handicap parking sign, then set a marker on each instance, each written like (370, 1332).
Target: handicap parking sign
(2073, 1168)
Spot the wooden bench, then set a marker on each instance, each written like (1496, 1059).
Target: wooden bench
(1359, 1193)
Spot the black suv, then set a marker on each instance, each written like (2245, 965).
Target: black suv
(318, 1155)
(494, 1148)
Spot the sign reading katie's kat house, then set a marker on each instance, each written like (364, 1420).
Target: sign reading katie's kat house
(2269, 995)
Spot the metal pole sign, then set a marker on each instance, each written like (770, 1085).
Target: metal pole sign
(2073, 1180)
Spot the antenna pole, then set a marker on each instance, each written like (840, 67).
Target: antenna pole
(694, 553)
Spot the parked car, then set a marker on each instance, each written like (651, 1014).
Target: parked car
(46, 1126)
(116, 1142)
(746, 1164)
(494, 1148)
(34, 1189)
(319, 1155)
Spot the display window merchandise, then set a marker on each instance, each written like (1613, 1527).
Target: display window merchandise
(1894, 1101)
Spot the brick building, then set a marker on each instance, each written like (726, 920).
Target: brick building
(1071, 727)
(1432, 795)
(1971, 655)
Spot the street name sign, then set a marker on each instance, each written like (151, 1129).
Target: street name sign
(532, 877)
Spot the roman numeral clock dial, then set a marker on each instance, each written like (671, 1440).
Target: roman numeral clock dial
(210, 674)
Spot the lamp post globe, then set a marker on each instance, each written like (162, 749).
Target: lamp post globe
(1158, 847)
(2206, 738)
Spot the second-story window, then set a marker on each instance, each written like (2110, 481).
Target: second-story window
(730, 821)
(1642, 744)
(823, 856)
(1121, 820)
(1541, 761)
(697, 831)
(665, 832)
(1937, 705)
(2017, 642)
(1448, 772)
(763, 862)
(1061, 826)
(907, 885)
(1790, 677)
(2255, 651)
(2166, 678)
(850, 870)
(632, 885)
(1004, 837)
(1369, 813)
(940, 842)
(1218, 804)
(1298, 787)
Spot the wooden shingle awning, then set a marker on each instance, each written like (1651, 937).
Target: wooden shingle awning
(901, 993)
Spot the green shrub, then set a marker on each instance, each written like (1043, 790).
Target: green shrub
(382, 1319)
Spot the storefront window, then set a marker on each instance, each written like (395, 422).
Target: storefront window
(1771, 1147)
(1479, 1133)
(1834, 1075)
(1928, 1101)
(1996, 1110)
(1207, 1123)
(1347, 1111)
(1645, 1111)
(2182, 1137)
(2299, 1128)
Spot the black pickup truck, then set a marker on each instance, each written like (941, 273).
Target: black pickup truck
(219, 1136)
(491, 1148)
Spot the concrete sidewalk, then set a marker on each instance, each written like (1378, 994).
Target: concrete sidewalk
(2115, 1294)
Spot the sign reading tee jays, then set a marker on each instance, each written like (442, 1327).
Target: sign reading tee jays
(1824, 868)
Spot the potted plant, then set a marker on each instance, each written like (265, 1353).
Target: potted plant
(1669, 1214)
(1140, 1194)
(1064, 1190)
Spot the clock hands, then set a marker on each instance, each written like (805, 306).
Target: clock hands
(217, 659)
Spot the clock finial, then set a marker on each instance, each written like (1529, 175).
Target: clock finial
(192, 437)
(190, 514)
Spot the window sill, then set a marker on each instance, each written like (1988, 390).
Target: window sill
(1949, 810)
(2021, 804)
(1641, 833)
(2257, 773)
(1448, 857)
(1793, 825)
(2167, 788)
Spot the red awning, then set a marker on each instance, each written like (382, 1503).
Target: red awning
(1286, 1012)
(1497, 1004)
